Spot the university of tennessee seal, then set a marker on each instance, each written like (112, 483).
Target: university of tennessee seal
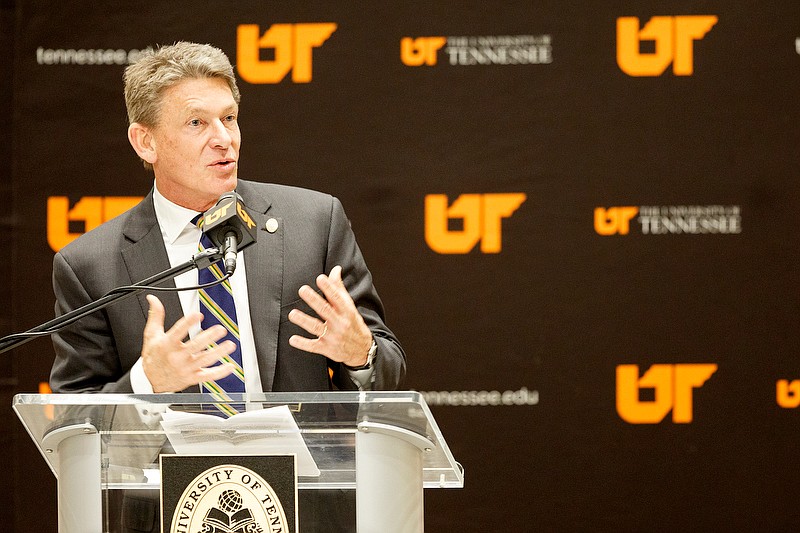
(229, 499)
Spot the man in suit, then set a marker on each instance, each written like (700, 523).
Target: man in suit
(182, 105)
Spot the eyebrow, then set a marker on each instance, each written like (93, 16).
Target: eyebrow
(196, 110)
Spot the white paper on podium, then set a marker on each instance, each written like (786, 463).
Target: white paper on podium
(271, 431)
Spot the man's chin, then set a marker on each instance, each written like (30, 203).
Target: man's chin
(227, 183)
(220, 186)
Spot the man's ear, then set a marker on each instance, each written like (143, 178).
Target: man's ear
(143, 142)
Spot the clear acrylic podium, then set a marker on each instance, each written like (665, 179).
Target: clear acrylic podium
(385, 445)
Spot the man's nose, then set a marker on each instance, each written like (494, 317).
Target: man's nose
(220, 137)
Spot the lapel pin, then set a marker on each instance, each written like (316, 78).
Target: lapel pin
(271, 225)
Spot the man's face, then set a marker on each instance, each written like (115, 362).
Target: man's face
(196, 143)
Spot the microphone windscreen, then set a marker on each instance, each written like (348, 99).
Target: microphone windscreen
(229, 215)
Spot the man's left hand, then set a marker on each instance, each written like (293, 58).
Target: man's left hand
(341, 334)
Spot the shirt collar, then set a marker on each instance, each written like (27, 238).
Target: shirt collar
(172, 218)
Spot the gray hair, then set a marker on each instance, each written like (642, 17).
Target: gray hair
(157, 70)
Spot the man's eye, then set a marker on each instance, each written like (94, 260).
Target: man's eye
(194, 122)
(230, 118)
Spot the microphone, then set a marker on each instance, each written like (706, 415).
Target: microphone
(230, 227)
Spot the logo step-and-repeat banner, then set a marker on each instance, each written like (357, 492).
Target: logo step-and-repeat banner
(582, 220)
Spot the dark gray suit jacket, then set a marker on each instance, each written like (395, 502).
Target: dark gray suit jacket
(314, 235)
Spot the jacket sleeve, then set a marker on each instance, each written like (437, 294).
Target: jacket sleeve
(390, 361)
(86, 357)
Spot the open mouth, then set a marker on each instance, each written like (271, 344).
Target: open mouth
(223, 163)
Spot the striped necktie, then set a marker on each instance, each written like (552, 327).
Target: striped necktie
(217, 306)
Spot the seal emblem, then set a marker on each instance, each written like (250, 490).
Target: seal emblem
(229, 499)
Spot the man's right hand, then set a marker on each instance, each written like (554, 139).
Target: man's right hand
(171, 364)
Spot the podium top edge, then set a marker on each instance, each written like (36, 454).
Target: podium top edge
(351, 397)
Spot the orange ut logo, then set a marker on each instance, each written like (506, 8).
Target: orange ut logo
(420, 51)
(482, 215)
(674, 43)
(244, 216)
(788, 393)
(91, 210)
(673, 386)
(614, 220)
(292, 43)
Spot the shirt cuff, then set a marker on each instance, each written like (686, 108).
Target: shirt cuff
(139, 381)
(363, 379)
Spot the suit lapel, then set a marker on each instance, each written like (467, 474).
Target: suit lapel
(264, 282)
(146, 256)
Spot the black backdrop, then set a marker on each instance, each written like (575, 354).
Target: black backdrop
(516, 349)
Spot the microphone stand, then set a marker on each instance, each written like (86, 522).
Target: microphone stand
(199, 261)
